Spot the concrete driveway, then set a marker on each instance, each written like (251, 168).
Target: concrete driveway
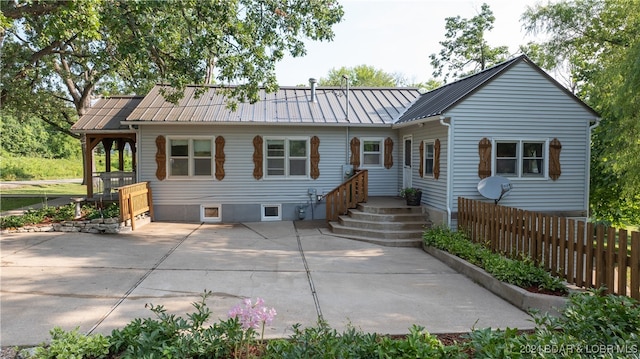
(101, 282)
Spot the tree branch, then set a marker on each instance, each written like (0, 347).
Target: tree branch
(36, 8)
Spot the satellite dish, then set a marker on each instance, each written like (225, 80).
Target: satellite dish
(494, 187)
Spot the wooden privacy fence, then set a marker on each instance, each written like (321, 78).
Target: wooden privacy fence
(584, 254)
(135, 199)
(347, 195)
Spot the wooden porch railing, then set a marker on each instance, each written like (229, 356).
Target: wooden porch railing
(134, 200)
(347, 195)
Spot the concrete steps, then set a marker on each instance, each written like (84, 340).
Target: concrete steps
(385, 221)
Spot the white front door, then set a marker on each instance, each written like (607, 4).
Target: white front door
(406, 161)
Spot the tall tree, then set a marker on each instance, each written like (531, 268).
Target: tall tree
(600, 39)
(62, 52)
(466, 49)
(361, 75)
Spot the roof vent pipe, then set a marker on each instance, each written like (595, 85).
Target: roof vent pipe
(312, 83)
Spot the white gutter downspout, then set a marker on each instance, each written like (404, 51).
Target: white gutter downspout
(348, 144)
(449, 164)
(588, 179)
(137, 131)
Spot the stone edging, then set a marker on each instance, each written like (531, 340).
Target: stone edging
(96, 226)
(515, 295)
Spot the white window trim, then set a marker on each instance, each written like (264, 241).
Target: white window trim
(191, 157)
(380, 140)
(286, 140)
(270, 218)
(424, 158)
(519, 157)
(210, 219)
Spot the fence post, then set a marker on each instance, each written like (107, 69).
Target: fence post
(599, 252)
(589, 256)
(571, 256)
(580, 252)
(610, 262)
(635, 265)
(622, 262)
(150, 201)
(537, 239)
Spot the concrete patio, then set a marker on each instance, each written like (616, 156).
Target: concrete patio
(102, 282)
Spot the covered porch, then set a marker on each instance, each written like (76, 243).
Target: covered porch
(102, 130)
(105, 182)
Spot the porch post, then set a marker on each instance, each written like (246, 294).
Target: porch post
(107, 143)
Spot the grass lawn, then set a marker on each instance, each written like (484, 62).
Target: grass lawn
(39, 193)
(9, 203)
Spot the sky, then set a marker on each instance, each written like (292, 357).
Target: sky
(397, 36)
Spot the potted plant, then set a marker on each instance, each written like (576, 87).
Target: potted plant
(412, 195)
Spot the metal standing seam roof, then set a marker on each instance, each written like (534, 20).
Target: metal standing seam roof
(288, 105)
(437, 101)
(107, 114)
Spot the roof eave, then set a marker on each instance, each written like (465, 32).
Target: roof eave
(84, 131)
(247, 123)
(417, 121)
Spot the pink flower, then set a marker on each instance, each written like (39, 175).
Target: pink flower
(253, 315)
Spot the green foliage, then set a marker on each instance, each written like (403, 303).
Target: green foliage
(325, 342)
(592, 325)
(73, 345)
(92, 212)
(362, 75)
(487, 343)
(66, 54)
(523, 273)
(171, 336)
(33, 138)
(465, 49)
(598, 43)
(57, 214)
(32, 168)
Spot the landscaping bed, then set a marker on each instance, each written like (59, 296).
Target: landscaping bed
(591, 325)
(92, 219)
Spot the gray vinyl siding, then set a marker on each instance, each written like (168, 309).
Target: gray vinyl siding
(434, 191)
(382, 181)
(239, 187)
(522, 104)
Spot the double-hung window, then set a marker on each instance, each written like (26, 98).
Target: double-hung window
(372, 152)
(520, 158)
(429, 155)
(287, 157)
(191, 157)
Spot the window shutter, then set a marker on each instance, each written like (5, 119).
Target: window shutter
(421, 166)
(484, 150)
(257, 157)
(554, 159)
(161, 158)
(388, 153)
(315, 157)
(436, 159)
(355, 152)
(220, 158)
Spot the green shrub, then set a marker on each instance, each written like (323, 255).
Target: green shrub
(523, 273)
(171, 336)
(72, 345)
(57, 214)
(11, 222)
(325, 342)
(592, 325)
